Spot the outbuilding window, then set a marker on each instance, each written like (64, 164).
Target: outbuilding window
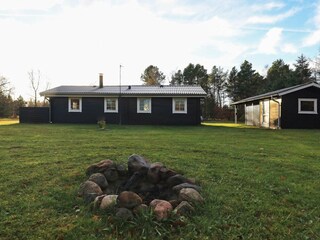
(75, 104)
(179, 105)
(307, 106)
(111, 105)
(144, 105)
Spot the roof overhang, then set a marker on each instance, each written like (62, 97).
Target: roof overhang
(124, 96)
(277, 94)
(126, 91)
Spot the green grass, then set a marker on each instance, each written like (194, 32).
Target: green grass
(258, 184)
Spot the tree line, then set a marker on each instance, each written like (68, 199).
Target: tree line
(8, 106)
(223, 86)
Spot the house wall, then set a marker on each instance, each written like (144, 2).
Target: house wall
(93, 110)
(252, 111)
(273, 116)
(274, 113)
(260, 113)
(34, 115)
(289, 110)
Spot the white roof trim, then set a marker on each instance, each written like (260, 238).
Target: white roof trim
(276, 93)
(122, 96)
(299, 88)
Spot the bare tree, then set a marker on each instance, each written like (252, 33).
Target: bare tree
(35, 82)
(5, 88)
(315, 63)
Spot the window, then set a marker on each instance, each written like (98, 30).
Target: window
(307, 106)
(75, 104)
(144, 105)
(179, 105)
(111, 105)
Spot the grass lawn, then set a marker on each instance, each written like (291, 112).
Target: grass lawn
(258, 184)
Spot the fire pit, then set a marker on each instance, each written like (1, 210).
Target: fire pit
(139, 185)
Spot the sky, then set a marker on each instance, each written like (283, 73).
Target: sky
(71, 41)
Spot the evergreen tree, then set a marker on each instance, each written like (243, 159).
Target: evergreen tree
(196, 75)
(279, 76)
(249, 81)
(302, 72)
(6, 106)
(17, 104)
(177, 78)
(232, 85)
(218, 80)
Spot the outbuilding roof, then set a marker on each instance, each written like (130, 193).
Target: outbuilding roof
(127, 90)
(278, 93)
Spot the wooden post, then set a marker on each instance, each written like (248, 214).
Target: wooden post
(235, 114)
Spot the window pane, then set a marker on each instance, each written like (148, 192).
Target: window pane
(111, 104)
(144, 104)
(141, 106)
(179, 105)
(75, 104)
(307, 106)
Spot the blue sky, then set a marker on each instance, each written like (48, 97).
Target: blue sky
(72, 41)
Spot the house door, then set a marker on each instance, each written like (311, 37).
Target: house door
(265, 113)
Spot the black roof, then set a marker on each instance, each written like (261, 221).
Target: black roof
(278, 93)
(126, 90)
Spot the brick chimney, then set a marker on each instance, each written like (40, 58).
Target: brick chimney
(100, 80)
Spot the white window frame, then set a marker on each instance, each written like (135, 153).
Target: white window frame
(80, 104)
(315, 105)
(109, 110)
(143, 111)
(185, 105)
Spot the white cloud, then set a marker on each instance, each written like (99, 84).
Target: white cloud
(314, 37)
(269, 19)
(316, 19)
(13, 5)
(74, 45)
(270, 42)
(289, 48)
(268, 6)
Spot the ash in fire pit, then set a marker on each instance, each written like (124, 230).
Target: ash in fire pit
(138, 186)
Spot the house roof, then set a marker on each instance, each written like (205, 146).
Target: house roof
(278, 93)
(126, 90)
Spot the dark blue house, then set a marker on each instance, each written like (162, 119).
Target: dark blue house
(293, 107)
(136, 104)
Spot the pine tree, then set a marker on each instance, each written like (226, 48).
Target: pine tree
(302, 72)
(177, 78)
(279, 76)
(249, 81)
(232, 85)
